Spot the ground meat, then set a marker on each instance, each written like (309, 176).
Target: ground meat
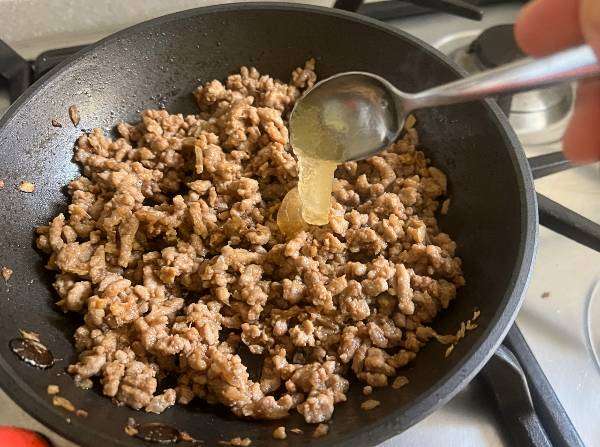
(59, 401)
(161, 402)
(81, 413)
(53, 389)
(26, 186)
(7, 272)
(238, 442)
(318, 407)
(370, 404)
(171, 252)
(399, 382)
(74, 115)
(138, 385)
(279, 433)
(321, 430)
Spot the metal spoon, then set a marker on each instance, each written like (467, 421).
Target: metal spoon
(364, 113)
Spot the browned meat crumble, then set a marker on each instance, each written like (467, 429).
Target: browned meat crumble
(321, 430)
(62, 402)
(370, 404)
(53, 389)
(26, 186)
(279, 433)
(28, 335)
(237, 442)
(6, 272)
(186, 437)
(74, 115)
(171, 253)
(399, 382)
(130, 430)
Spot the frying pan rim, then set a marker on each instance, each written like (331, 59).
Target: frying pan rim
(455, 378)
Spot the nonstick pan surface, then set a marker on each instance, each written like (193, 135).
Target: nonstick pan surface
(492, 218)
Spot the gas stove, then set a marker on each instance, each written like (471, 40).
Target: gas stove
(551, 361)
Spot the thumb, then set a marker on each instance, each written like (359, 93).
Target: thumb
(590, 23)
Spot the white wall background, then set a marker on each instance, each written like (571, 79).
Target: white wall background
(33, 25)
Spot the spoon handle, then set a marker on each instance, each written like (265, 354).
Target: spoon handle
(527, 74)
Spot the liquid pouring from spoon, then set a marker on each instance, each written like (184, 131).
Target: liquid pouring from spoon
(354, 115)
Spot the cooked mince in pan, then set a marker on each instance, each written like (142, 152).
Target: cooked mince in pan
(170, 251)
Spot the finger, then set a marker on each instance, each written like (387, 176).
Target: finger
(590, 23)
(547, 26)
(581, 142)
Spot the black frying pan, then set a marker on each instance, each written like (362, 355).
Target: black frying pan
(492, 217)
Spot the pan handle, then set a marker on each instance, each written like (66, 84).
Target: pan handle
(15, 70)
(507, 382)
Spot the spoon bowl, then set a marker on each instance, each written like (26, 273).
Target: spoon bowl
(357, 113)
(353, 115)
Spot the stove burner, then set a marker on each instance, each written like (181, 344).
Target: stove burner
(539, 116)
(496, 46)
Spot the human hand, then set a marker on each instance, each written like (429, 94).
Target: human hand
(548, 26)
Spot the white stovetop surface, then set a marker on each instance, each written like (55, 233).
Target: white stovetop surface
(553, 326)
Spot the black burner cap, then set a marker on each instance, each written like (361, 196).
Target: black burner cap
(496, 46)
